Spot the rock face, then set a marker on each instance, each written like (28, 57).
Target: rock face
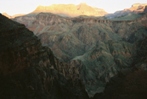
(30, 71)
(100, 48)
(71, 10)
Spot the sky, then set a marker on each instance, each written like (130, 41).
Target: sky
(13, 7)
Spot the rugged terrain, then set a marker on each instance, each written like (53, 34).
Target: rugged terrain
(31, 71)
(100, 48)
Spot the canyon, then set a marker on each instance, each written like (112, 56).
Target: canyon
(78, 57)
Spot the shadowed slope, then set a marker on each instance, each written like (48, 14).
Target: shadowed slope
(30, 71)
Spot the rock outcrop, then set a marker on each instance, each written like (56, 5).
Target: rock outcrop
(71, 10)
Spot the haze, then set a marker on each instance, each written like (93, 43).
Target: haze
(12, 7)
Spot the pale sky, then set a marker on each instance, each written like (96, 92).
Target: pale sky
(12, 7)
